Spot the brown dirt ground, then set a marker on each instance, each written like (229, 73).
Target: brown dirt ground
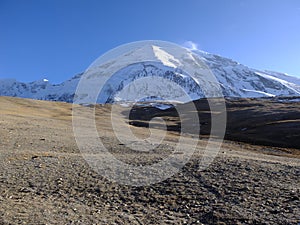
(45, 180)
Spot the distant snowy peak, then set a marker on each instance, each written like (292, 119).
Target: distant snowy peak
(41, 89)
(234, 79)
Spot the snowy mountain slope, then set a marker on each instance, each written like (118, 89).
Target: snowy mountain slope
(235, 80)
(41, 89)
(238, 80)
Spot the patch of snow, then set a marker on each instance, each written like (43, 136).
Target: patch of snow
(125, 105)
(163, 107)
(259, 92)
(165, 57)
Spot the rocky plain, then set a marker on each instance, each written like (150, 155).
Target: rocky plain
(44, 178)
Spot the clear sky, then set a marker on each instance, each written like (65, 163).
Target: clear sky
(56, 39)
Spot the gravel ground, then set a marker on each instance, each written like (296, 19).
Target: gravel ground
(45, 180)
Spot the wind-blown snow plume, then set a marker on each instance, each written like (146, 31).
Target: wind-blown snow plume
(191, 45)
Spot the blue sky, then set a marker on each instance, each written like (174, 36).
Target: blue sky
(56, 39)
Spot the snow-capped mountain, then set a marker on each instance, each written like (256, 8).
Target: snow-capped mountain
(41, 89)
(234, 79)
